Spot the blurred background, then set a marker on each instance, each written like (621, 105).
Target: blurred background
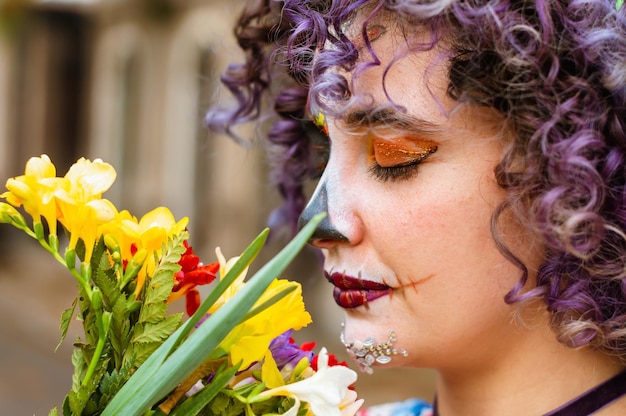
(129, 81)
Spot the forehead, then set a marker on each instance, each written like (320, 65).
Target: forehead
(390, 78)
(384, 60)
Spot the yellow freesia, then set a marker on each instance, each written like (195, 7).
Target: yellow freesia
(83, 221)
(35, 191)
(82, 209)
(90, 179)
(125, 230)
(153, 230)
(249, 341)
(149, 233)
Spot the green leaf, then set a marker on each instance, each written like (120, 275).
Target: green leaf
(80, 366)
(153, 313)
(151, 365)
(66, 406)
(66, 318)
(191, 353)
(104, 278)
(160, 285)
(156, 332)
(149, 337)
(54, 412)
(223, 403)
(112, 382)
(119, 334)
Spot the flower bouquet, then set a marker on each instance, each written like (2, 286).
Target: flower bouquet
(234, 354)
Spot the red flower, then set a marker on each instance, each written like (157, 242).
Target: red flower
(307, 346)
(332, 361)
(192, 274)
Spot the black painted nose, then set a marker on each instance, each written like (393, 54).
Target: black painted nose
(325, 230)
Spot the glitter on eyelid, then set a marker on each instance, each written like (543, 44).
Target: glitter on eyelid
(388, 154)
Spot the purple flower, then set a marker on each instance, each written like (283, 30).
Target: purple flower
(286, 352)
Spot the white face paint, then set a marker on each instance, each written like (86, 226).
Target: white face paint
(413, 195)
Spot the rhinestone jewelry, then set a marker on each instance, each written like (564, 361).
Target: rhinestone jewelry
(369, 351)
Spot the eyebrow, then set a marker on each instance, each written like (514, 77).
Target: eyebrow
(389, 118)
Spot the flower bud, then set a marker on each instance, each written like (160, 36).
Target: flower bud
(111, 243)
(116, 257)
(53, 240)
(140, 257)
(134, 266)
(85, 271)
(96, 299)
(106, 321)
(70, 259)
(10, 215)
(39, 231)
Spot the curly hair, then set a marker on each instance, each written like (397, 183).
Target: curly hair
(556, 72)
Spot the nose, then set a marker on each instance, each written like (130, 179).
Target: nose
(326, 234)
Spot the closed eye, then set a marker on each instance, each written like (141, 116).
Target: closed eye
(399, 160)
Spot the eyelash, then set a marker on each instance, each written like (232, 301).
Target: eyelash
(320, 147)
(399, 172)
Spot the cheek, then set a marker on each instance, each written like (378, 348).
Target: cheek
(443, 237)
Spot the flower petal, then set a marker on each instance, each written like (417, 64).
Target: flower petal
(93, 178)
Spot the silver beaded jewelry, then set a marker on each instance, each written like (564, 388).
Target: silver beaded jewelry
(369, 351)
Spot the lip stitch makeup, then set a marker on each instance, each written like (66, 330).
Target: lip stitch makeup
(352, 292)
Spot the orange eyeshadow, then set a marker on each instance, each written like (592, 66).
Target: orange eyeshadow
(389, 153)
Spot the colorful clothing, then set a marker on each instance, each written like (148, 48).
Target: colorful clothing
(411, 407)
(584, 405)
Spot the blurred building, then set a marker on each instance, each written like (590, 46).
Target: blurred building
(129, 81)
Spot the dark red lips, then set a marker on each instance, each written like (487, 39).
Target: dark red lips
(352, 292)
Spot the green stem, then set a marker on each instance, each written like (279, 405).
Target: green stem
(94, 360)
(104, 323)
(249, 411)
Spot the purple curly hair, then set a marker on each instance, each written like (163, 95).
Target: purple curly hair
(555, 71)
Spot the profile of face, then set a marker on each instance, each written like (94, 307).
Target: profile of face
(410, 196)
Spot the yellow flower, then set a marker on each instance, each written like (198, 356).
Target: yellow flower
(82, 209)
(249, 341)
(326, 392)
(35, 191)
(90, 179)
(149, 233)
(152, 231)
(157, 225)
(124, 228)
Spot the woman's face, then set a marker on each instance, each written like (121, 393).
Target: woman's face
(410, 197)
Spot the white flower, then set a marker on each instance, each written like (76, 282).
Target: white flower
(326, 392)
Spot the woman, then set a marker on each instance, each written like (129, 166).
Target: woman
(474, 177)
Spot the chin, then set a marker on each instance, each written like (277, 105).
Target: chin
(371, 345)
